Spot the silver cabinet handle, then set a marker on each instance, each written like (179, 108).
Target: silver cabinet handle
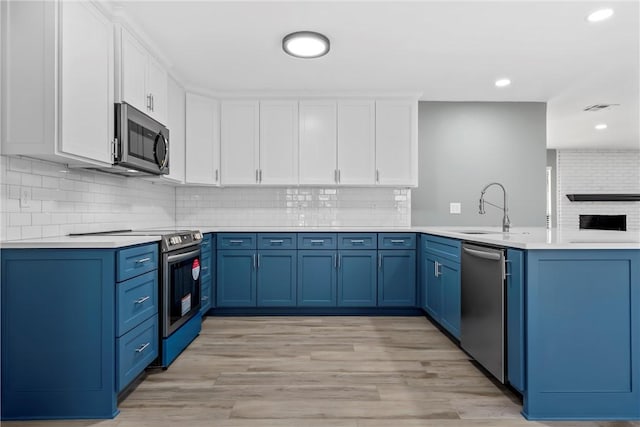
(149, 102)
(339, 177)
(379, 261)
(258, 262)
(317, 242)
(276, 241)
(141, 300)
(335, 261)
(142, 347)
(339, 256)
(257, 176)
(235, 242)
(143, 260)
(377, 175)
(204, 268)
(255, 262)
(216, 175)
(260, 175)
(204, 298)
(335, 175)
(397, 241)
(357, 242)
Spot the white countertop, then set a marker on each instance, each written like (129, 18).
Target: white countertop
(78, 242)
(533, 238)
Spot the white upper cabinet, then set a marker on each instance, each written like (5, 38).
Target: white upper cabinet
(356, 142)
(278, 143)
(397, 142)
(240, 144)
(317, 150)
(176, 124)
(142, 81)
(57, 79)
(202, 151)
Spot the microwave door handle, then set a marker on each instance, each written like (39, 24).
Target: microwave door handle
(181, 257)
(162, 164)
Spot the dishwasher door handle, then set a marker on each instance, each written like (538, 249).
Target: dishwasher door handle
(482, 254)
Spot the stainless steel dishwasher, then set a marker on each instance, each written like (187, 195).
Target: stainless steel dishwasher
(482, 328)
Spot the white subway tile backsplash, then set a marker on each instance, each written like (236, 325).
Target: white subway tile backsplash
(597, 171)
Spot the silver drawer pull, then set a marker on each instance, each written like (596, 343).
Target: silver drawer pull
(235, 242)
(142, 347)
(141, 300)
(317, 242)
(276, 241)
(205, 268)
(204, 297)
(143, 260)
(357, 242)
(397, 241)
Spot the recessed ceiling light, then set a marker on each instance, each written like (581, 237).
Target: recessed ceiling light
(502, 82)
(305, 44)
(601, 126)
(600, 15)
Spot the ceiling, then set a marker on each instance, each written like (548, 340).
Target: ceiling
(444, 50)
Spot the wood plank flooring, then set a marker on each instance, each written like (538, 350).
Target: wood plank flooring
(320, 372)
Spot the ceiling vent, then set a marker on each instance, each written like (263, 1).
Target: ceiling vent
(598, 107)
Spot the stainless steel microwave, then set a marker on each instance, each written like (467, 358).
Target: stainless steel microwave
(142, 144)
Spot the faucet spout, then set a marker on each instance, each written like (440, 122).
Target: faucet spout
(506, 222)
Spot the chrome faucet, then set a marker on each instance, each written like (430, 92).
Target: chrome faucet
(506, 223)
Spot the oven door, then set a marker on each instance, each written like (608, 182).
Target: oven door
(181, 288)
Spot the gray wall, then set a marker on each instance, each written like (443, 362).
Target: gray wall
(465, 145)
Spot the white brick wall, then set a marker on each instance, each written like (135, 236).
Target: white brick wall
(73, 201)
(597, 171)
(298, 206)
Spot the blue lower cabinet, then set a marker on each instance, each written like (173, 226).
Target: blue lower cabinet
(432, 286)
(205, 299)
(277, 275)
(515, 319)
(396, 278)
(357, 278)
(236, 278)
(449, 273)
(58, 334)
(317, 278)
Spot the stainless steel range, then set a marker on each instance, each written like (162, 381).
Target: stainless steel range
(179, 288)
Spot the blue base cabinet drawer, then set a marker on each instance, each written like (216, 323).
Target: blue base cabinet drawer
(357, 241)
(132, 262)
(277, 241)
(135, 351)
(237, 241)
(137, 301)
(442, 246)
(396, 241)
(317, 241)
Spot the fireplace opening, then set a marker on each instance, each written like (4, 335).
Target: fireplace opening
(603, 222)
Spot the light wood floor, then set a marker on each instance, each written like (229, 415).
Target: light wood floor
(317, 372)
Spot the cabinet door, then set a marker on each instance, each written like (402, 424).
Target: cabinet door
(86, 82)
(157, 87)
(357, 278)
(450, 280)
(317, 278)
(277, 278)
(515, 319)
(356, 142)
(176, 123)
(239, 127)
(397, 278)
(133, 72)
(279, 142)
(397, 142)
(433, 287)
(202, 142)
(236, 282)
(318, 142)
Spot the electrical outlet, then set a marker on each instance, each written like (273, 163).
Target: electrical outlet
(455, 208)
(25, 197)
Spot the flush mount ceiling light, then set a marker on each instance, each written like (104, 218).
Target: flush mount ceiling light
(502, 82)
(601, 126)
(600, 15)
(305, 44)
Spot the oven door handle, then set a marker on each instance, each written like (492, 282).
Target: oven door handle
(181, 257)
